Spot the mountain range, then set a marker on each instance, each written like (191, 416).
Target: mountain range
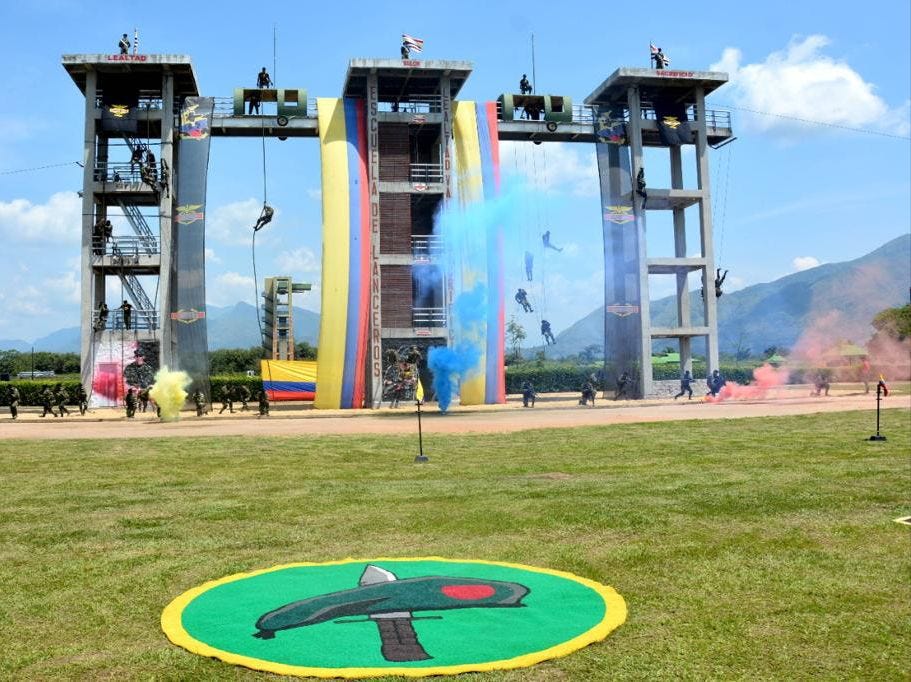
(228, 327)
(759, 316)
(847, 295)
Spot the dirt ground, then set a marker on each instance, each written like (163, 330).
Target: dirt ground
(551, 411)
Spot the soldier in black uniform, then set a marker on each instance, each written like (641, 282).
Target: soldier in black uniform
(12, 394)
(127, 314)
(719, 280)
(131, 403)
(227, 402)
(102, 320)
(522, 300)
(661, 61)
(264, 218)
(640, 186)
(686, 385)
(524, 86)
(263, 80)
(47, 397)
(528, 394)
(124, 44)
(547, 333)
(60, 397)
(545, 238)
(83, 399)
(243, 395)
(588, 394)
(623, 383)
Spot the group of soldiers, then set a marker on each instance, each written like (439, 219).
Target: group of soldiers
(229, 394)
(50, 398)
(522, 299)
(263, 81)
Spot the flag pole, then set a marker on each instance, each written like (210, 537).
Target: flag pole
(534, 75)
(879, 389)
(421, 457)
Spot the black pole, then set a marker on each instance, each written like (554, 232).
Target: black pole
(879, 388)
(421, 457)
(33, 362)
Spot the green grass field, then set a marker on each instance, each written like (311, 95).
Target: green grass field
(745, 549)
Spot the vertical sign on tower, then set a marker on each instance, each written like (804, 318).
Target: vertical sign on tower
(375, 372)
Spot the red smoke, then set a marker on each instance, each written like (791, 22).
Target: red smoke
(765, 378)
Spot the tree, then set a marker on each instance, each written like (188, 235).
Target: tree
(894, 323)
(515, 335)
(591, 353)
(775, 350)
(304, 351)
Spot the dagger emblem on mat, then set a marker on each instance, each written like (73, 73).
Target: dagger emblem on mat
(390, 603)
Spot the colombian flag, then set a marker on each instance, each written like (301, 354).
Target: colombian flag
(882, 386)
(289, 379)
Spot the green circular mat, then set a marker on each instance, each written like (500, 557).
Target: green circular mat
(392, 616)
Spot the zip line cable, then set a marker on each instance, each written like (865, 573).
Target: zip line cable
(38, 168)
(810, 121)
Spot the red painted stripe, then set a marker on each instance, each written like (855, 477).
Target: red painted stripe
(491, 108)
(494, 141)
(279, 396)
(363, 308)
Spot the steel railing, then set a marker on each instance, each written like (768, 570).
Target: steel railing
(415, 104)
(585, 114)
(141, 319)
(425, 172)
(126, 248)
(426, 246)
(428, 317)
(124, 171)
(224, 106)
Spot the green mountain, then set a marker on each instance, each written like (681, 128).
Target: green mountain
(847, 295)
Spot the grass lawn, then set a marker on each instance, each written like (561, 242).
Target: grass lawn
(745, 549)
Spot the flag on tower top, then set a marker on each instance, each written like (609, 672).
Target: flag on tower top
(652, 48)
(412, 43)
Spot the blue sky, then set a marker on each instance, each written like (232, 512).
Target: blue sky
(787, 195)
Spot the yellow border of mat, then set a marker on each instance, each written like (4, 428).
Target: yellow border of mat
(614, 617)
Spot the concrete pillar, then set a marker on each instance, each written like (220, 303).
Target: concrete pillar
(168, 351)
(705, 233)
(683, 294)
(634, 132)
(90, 291)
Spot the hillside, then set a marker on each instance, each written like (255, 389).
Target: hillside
(777, 313)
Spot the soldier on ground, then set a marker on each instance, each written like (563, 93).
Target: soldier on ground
(522, 300)
(127, 314)
(244, 395)
(131, 403)
(124, 44)
(524, 86)
(263, 397)
(227, 402)
(821, 384)
(547, 333)
(623, 382)
(264, 218)
(588, 394)
(528, 394)
(143, 399)
(686, 382)
(547, 245)
(715, 383)
(60, 398)
(200, 401)
(83, 399)
(47, 398)
(263, 80)
(12, 393)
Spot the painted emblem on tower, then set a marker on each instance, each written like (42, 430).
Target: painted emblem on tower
(619, 214)
(189, 214)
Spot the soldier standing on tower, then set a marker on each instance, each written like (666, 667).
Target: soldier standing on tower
(127, 314)
(124, 44)
(658, 56)
(263, 80)
(524, 86)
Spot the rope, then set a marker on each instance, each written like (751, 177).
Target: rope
(37, 168)
(810, 121)
(724, 204)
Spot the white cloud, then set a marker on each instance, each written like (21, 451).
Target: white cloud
(233, 223)
(300, 261)
(211, 256)
(230, 287)
(315, 193)
(802, 82)
(802, 263)
(561, 167)
(57, 221)
(64, 287)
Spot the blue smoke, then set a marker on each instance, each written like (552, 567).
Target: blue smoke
(447, 364)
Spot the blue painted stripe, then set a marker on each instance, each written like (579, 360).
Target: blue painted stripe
(308, 386)
(354, 253)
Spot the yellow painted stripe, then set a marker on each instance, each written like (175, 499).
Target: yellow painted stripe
(334, 307)
(473, 270)
(614, 617)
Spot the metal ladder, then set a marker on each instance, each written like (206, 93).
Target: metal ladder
(139, 225)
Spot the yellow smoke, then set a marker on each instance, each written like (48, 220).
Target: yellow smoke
(169, 393)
